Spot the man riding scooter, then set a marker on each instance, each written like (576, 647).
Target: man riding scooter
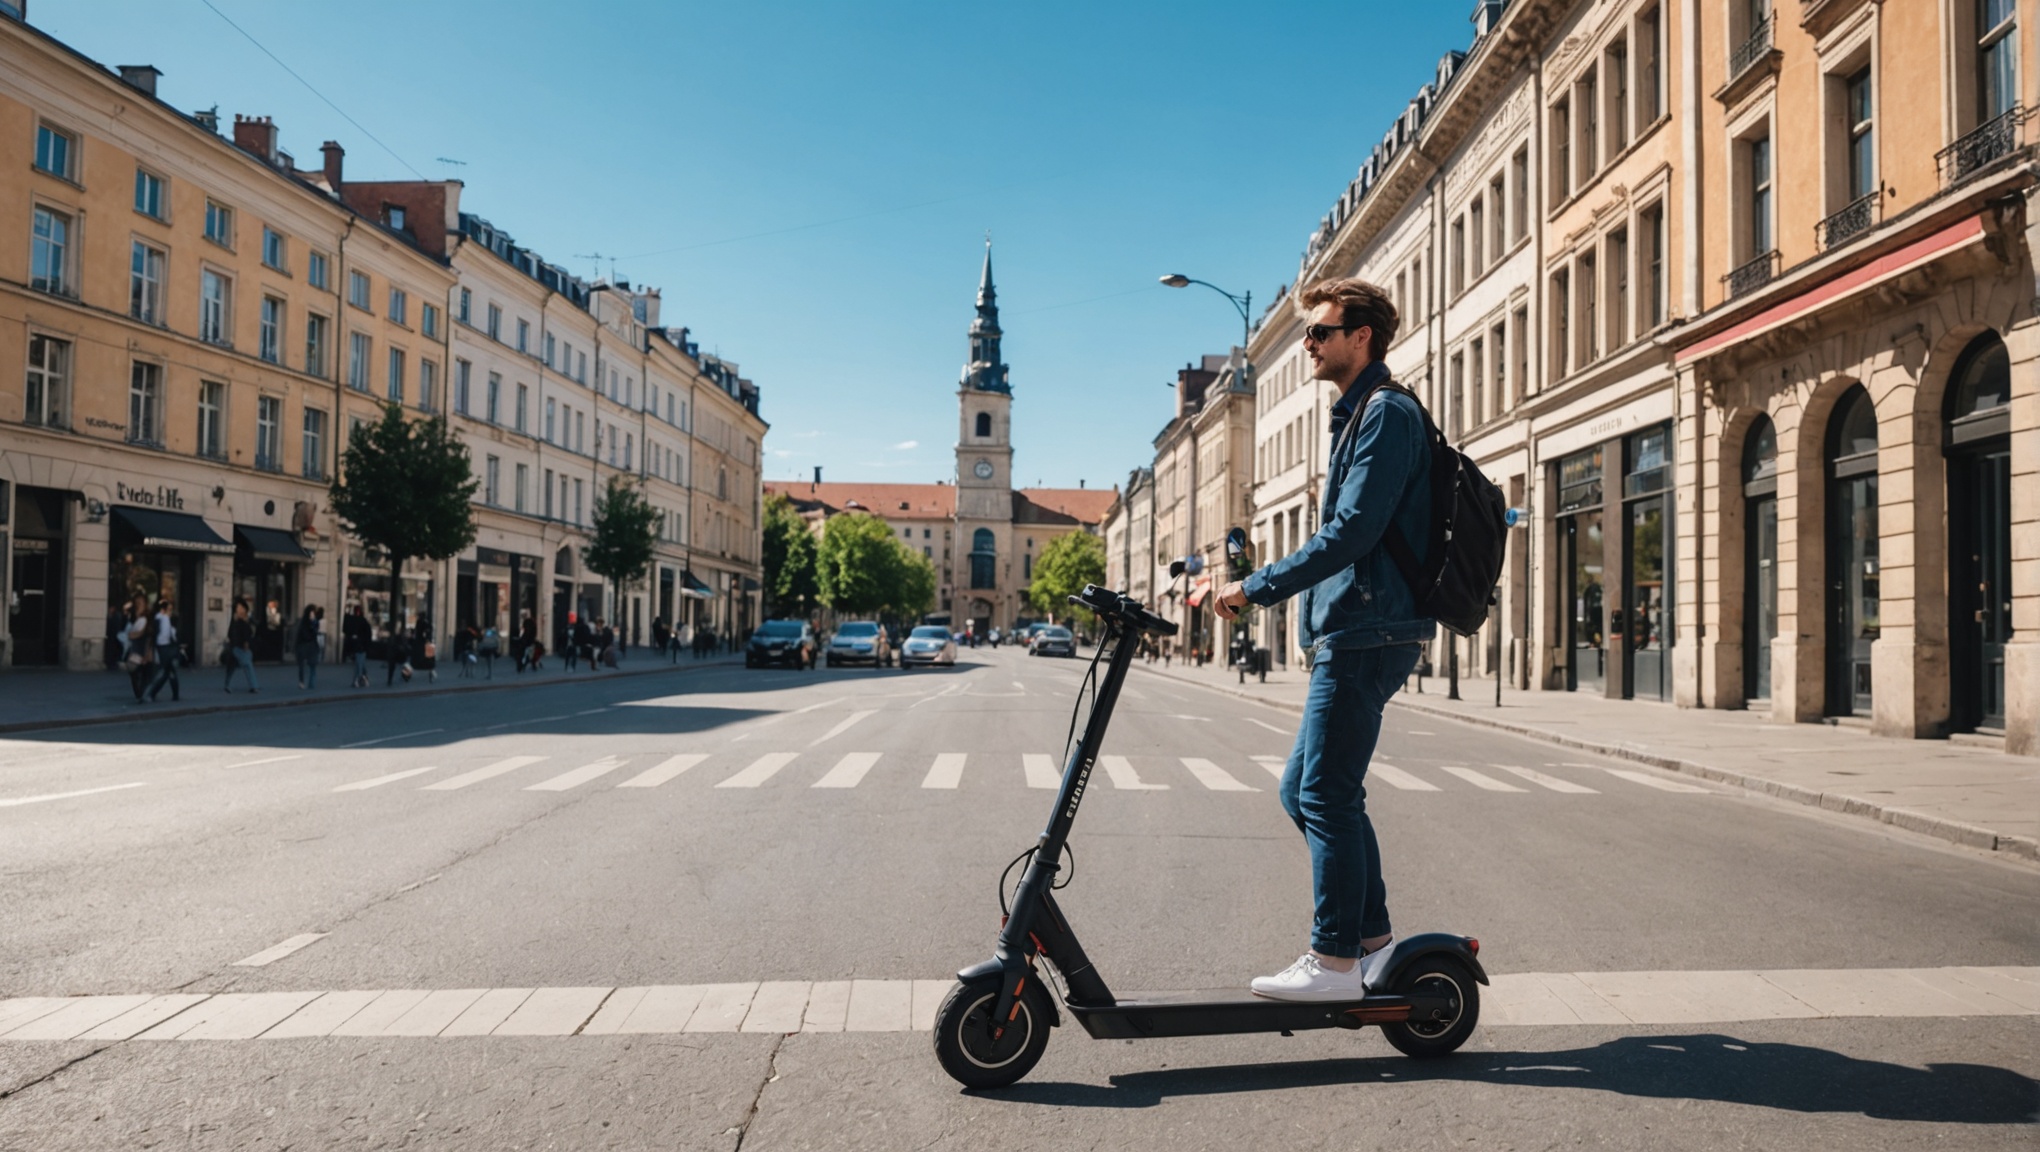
(1358, 624)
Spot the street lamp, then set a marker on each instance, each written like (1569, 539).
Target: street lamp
(1244, 303)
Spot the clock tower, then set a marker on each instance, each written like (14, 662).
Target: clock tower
(985, 579)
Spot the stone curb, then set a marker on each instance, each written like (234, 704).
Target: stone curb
(307, 701)
(1953, 831)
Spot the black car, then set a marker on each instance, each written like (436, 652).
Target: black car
(790, 642)
(1053, 641)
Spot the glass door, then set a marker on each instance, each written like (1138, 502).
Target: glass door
(1760, 612)
(1645, 623)
(1587, 666)
(1981, 584)
(1853, 593)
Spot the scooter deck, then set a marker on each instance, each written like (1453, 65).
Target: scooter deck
(1153, 1015)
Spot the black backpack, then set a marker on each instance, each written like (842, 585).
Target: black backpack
(1469, 536)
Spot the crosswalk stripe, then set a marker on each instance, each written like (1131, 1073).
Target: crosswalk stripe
(379, 781)
(827, 1007)
(842, 726)
(159, 1008)
(778, 1007)
(553, 1012)
(80, 1014)
(1400, 778)
(1120, 769)
(1271, 727)
(761, 770)
(928, 995)
(947, 771)
(660, 1008)
(1213, 777)
(880, 1006)
(381, 1012)
(231, 1016)
(1481, 779)
(667, 769)
(1274, 764)
(432, 1015)
(1551, 782)
(277, 952)
(722, 1007)
(1041, 771)
(848, 772)
(321, 1016)
(499, 768)
(488, 1013)
(578, 776)
(1650, 781)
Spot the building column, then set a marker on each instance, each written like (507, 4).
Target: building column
(2022, 651)
(1694, 588)
(1799, 654)
(1909, 660)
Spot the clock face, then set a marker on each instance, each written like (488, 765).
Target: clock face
(983, 469)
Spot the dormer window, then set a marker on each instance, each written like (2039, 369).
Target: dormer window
(393, 215)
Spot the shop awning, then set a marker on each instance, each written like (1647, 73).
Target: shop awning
(176, 530)
(691, 585)
(271, 544)
(751, 584)
(1199, 590)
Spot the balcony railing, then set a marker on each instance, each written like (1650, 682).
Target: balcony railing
(1992, 141)
(1753, 275)
(1849, 223)
(1752, 49)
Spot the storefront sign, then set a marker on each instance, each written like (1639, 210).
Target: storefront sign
(161, 496)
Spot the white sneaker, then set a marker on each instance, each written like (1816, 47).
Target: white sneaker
(1307, 979)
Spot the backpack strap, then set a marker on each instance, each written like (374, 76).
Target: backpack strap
(1398, 545)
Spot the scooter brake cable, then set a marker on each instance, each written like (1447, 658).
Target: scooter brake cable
(1090, 681)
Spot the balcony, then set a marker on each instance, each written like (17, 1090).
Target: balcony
(1991, 142)
(1752, 276)
(1849, 223)
(1753, 49)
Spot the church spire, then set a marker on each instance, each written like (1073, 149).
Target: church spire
(987, 369)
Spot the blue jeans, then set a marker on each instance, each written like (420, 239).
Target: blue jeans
(1323, 790)
(244, 661)
(308, 664)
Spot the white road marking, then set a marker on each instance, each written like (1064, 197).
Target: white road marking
(1182, 716)
(592, 711)
(76, 1015)
(672, 766)
(1649, 781)
(1481, 780)
(387, 739)
(947, 771)
(231, 1016)
(1418, 732)
(761, 770)
(381, 1012)
(321, 1016)
(1551, 782)
(928, 995)
(1041, 771)
(827, 1007)
(778, 1007)
(579, 776)
(722, 1007)
(655, 1009)
(848, 772)
(1271, 727)
(488, 1013)
(1213, 777)
(275, 952)
(253, 763)
(158, 1009)
(379, 781)
(842, 726)
(552, 1012)
(20, 800)
(499, 768)
(1276, 765)
(1019, 685)
(1400, 778)
(433, 1014)
(1120, 769)
(815, 707)
(880, 1006)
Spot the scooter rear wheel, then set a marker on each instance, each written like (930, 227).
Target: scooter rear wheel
(1436, 977)
(964, 1041)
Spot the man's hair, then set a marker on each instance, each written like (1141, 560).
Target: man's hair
(1359, 303)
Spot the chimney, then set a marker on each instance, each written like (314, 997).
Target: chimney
(208, 119)
(256, 135)
(140, 77)
(333, 153)
(1080, 483)
(818, 473)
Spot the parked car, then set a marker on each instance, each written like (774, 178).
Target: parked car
(790, 642)
(1053, 641)
(860, 642)
(928, 644)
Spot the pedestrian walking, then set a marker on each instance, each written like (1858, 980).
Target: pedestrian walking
(604, 645)
(354, 637)
(425, 648)
(239, 655)
(526, 645)
(397, 655)
(164, 645)
(583, 642)
(139, 646)
(114, 647)
(661, 635)
(307, 646)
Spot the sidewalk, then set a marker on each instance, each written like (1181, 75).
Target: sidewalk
(1963, 794)
(38, 699)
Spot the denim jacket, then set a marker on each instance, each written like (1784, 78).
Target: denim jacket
(1354, 596)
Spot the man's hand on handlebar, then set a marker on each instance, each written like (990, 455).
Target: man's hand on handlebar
(1230, 600)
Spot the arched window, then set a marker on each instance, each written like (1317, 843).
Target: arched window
(1980, 391)
(1760, 556)
(984, 424)
(984, 554)
(1852, 561)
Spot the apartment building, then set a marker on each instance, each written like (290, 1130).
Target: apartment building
(1186, 515)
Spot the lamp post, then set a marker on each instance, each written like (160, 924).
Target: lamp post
(1243, 304)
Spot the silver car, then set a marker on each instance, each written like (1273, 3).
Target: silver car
(1053, 641)
(860, 642)
(928, 644)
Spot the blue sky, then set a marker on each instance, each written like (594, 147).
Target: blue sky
(810, 183)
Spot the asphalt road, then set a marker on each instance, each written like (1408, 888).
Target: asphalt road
(801, 831)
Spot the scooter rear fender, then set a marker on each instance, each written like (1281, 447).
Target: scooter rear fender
(1385, 967)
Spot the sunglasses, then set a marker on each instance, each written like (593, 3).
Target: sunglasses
(1319, 333)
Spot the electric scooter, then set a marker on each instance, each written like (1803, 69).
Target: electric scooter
(1423, 992)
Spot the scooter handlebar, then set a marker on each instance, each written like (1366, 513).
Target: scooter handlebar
(1123, 610)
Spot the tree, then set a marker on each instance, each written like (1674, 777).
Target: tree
(407, 487)
(624, 531)
(915, 587)
(791, 587)
(1070, 561)
(864, 570)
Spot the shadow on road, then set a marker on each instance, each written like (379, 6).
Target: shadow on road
(1786, 1077)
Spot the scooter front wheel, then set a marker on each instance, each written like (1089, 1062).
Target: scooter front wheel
(974, 1052)
(1442, 1030)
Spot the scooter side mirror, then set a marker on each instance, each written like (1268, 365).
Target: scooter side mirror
(1175, 569)
(1236, 540)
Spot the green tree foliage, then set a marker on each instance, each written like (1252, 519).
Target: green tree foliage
(915, 588)
(622, 535)
(792, 587)
(864, 570)
(407, 487)
(1070, 561)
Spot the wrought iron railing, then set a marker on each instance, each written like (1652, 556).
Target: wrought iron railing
(1753, 275)
(1752, 49)
(1849, 223)
(1993, 140)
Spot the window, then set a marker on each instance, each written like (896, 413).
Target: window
(212, 415)
(1588, 147)
(1498, 342)
(53, 149)
(580, 435)
(1561, 322)
(1649, 68)
(1618, 289)
(523, 480)
(1476, 236)
(493, 401)
(1588, 286)
(49, 268)
(1498, 237)
(546, 508)
(1650, 225)
(269, 433)
(315, 344)
(1757, 153)
(549, 349)
(1561, 151)
(315, 271)
(523, 336)
(1519, 204)
(357, 290)
(463, 373)
(1615, 65)
(984, 424)
(581, 373)
(145, 284)
(145, 398)
(629, 448)
(394, 216)
(1476, 396)
(467, 306)
(274, 253)
(1458, 404)
(219, 223)
(579, 491)
(428, 385)
(215, 308)
(148, 193)
(984, 557)
(315, 444)
(495, 323)
(49, 377)
(357, 361)
(1997, 59)
(523, 399)
(1458, 255)
(400, 306)
(492, 480)
(270, 338)
(428, 319)
(1522, 341)
(551, 419)
(394, 384)
(1862, 136)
